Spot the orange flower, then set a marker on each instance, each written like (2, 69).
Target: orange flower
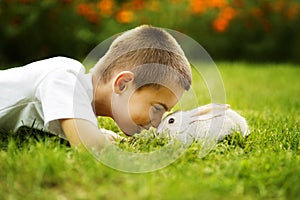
(217, 3)
(293, 11)
(198, 6)
(82, 9)
(93, 17)
(239, 3)
(220, 24)
(106, 7)
(86, 11)
(227, 13)
(137, 4)
(125, 16)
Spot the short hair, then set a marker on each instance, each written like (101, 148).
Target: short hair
(151, 53)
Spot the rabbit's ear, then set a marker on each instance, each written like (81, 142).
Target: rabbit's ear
(207, 112)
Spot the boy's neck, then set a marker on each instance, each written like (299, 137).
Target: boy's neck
(102, 98)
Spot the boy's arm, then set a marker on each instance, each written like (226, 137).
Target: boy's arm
(82, 132)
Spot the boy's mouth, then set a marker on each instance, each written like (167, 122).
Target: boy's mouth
(139, 128)
(143, 127)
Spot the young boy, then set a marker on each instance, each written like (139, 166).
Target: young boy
(142, 75)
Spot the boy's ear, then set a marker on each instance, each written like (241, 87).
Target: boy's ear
(121, 81)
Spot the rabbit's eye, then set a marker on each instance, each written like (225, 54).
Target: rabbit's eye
(171, 121)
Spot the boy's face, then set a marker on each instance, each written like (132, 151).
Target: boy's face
(135, 110)
(146, 106)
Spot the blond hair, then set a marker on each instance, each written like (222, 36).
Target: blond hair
(151, 53)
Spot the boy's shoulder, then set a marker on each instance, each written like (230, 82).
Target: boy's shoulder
(56, 63)
(44, 67)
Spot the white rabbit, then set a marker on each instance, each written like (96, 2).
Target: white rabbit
(212, 121)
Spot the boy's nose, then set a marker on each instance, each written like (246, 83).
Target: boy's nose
(155, 118)
(151, 124)
(155, 123)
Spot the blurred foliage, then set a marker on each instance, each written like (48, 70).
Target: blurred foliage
(256, 30)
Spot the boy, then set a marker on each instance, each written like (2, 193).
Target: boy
(142, 75)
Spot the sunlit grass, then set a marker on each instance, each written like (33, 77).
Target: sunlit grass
(265, 165)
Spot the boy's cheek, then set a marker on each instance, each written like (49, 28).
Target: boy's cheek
(138, 119)
(139, 114)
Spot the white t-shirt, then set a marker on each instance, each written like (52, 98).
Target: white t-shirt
(42, 92)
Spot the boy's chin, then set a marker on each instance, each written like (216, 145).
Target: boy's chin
(130, 131)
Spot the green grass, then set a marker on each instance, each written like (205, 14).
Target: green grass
(265, 165)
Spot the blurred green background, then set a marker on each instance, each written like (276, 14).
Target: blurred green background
(252, 30)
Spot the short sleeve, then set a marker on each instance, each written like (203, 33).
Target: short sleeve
(66, 93)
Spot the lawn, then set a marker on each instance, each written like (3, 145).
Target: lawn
(265, 165)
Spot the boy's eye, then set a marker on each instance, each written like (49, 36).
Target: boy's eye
(157, 108)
